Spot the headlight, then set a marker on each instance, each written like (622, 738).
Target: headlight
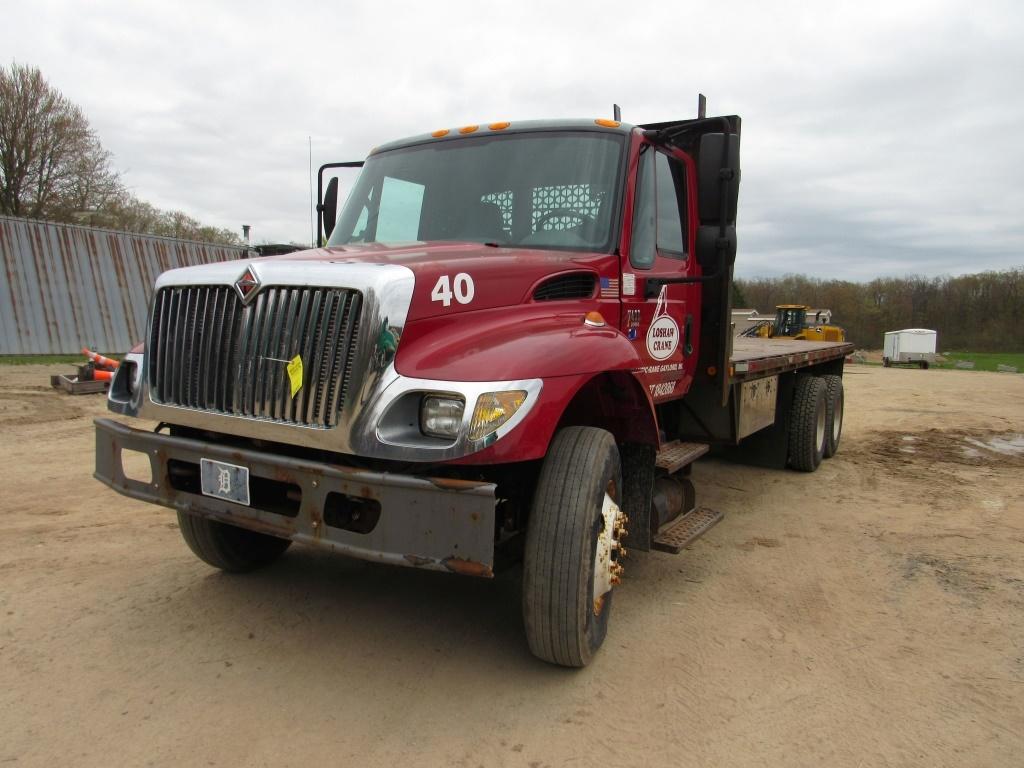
(492, 410)
(441, 416)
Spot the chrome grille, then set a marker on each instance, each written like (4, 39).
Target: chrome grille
(209, 352)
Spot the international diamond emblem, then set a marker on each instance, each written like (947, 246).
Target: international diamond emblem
(247, 285)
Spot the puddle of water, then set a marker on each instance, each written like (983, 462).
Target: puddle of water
(909, 438)
(971, 453)
(907, 450)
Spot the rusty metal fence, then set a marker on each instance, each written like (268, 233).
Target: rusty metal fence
(63, 287)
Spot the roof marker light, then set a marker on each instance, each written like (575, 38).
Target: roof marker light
(593, 319)
(440, 132)
(499, 126)
(468, 128)
(606, 123)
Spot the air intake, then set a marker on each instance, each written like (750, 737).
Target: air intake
(575, 285)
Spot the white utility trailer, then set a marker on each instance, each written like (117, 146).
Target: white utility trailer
(911, 346)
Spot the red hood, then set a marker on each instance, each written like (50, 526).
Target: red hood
(501, 276)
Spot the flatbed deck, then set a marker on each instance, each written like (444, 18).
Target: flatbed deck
(753, 358)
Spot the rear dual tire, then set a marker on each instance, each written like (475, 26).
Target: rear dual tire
(816, 420)
(834, 401)
(808, 423)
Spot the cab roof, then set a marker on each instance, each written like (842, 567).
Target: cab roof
(516, 126)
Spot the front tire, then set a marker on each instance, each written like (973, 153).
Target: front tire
(228, 547)
(807, 424)
(570, 562)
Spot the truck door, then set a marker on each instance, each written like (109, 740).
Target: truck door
(663, 327)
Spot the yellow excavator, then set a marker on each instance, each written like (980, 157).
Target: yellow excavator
(791, 322)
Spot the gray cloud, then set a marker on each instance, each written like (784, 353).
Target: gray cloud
(880, 138)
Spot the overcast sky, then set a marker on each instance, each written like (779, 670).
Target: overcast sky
(879, 138)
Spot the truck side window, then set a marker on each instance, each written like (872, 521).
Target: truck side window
(671, 207)
(641, 243)
(401, 203)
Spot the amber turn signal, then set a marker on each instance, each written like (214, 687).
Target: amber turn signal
(492, 410)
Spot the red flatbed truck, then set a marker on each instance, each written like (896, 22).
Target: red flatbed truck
(513, 346)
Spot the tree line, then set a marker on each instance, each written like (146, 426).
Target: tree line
(54, 167)
(980, 313)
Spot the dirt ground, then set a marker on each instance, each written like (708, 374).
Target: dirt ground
(869, 614)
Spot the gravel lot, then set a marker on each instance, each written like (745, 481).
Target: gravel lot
(868, 614)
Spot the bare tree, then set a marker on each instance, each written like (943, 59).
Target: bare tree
(127, 213)
(52, 165)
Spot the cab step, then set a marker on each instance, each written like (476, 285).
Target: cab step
(675, 455)
(680, 533)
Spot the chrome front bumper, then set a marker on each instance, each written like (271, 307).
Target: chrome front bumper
(436, 523)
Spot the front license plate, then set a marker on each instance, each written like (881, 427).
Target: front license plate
(224, 481)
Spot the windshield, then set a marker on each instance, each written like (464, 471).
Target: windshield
(538, 190)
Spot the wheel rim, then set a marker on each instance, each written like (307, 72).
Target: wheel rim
(837, 419)
(607, 558)
(819, 432)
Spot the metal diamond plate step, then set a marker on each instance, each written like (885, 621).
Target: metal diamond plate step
(686, 530)
(675, 455)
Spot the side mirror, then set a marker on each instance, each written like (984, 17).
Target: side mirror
(329, 207)
(708, 251)
(718, 163)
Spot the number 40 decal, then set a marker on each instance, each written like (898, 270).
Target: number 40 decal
(461, 288)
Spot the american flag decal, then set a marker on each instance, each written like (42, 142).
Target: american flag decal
(609, 287)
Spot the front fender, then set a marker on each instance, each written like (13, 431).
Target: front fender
(528, 342)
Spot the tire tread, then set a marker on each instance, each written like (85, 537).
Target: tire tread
(556, 547)
(804, 455)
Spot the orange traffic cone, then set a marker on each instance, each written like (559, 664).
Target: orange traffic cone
(100, 360)
(99, 375)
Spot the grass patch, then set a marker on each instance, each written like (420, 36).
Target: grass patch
(984, 361)
(46, 359)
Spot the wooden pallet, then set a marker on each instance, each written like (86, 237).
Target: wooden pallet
(73, 386)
